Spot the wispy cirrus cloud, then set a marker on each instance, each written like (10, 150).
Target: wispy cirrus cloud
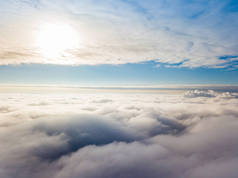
(193, 34)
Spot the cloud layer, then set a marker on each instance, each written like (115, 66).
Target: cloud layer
(190, 135)
(181, 33)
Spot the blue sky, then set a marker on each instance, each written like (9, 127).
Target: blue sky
(123, 42)
(143, 74)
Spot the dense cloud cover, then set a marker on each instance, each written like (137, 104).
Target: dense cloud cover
(181, 134)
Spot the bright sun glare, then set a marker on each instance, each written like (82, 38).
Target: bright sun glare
(55, 40)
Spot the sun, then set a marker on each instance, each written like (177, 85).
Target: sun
(55, 40)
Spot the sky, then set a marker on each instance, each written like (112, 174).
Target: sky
(118, 88)
(123, 42)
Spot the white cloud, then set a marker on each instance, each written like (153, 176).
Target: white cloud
(131, 135)
(200, 93)
(117, 32)
(209, 93)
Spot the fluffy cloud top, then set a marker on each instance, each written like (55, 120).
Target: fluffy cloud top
(209, 93)
(118, 135)
(181, 33)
